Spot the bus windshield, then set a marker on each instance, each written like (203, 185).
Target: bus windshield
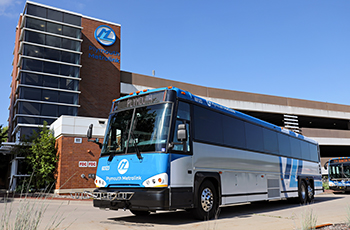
(145, 128)
(339, 171)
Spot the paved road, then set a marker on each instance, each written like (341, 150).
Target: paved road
(328, 208)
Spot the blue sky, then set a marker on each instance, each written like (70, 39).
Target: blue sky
(298, 49)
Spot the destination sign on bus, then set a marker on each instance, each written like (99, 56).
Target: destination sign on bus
(341, 160)
(142, 100)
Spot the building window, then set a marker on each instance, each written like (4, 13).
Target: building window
(43, 109)
(36, 11)
(49, 40)
(48, 81)
(51, 27)
(51, 54)
(50, 67)
(53, 15)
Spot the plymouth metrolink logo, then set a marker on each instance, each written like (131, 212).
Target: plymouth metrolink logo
(123, 166)
(105, 35)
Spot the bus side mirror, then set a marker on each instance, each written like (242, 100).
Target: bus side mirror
(181, 132)
(89, 136)
(89, 132)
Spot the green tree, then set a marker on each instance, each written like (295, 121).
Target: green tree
(43, 157)
(3, 134)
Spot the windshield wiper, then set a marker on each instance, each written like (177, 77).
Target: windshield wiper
(135, 146)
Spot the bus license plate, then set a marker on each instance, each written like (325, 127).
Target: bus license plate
(112, 195)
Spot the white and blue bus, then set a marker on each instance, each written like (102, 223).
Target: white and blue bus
(339, 174)
(167, 149)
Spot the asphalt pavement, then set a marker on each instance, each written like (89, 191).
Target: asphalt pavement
(80, 214)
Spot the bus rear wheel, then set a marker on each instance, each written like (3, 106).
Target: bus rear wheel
(303, 194)
(310, 192)
(207, 202)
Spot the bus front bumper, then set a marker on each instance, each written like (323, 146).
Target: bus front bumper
(143, 199)
(340, 188)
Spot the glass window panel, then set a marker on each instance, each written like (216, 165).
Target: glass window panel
(53, 28)
(72, 19)
(284, 145)
(31, 79)
(70, 44)
(48, 120)
(29, 108)
(183, 111)
(270, 141)
(49, 110)
(254, 137)
(313, 152)
(67, 57)
(27, 132)
(54, 15)
(71, 32)
(35, 24)
(53, 41)
(305, 150)
(33, 51)
(33, 65)
(50, 95)
(69, 98)
(30, 93)
(29, 120)
(34, 37)
(67, 83)
(50, 67)
(296, 148)
(53, 54)
(67, 70)
(208, 125)
(51, 82)
(67, 110)
(36, 10)
(234, 132)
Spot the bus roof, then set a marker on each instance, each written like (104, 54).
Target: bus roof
(210, 104)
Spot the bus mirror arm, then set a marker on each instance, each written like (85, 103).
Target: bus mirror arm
(89, 136)
(325, 165)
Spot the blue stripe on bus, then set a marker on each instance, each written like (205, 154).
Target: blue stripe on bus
(293, 176)
(281, 172)
(288, 167)
(300, 167)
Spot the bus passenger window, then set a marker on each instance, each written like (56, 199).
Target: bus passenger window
(183, 111)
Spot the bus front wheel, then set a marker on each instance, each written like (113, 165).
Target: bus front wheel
(207, 202)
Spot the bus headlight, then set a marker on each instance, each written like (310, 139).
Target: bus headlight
(160, 180)
(330, 183)
(99, 182)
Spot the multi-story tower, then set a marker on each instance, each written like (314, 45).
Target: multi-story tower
(58, 56)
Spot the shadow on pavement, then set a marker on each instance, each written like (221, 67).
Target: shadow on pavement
(234, 211)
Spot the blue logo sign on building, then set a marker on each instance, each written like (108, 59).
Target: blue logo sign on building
(105, 35)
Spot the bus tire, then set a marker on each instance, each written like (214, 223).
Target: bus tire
(208, 202)
(140, 213)
(302, 191)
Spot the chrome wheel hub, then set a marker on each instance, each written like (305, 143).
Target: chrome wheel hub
(207, 199)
